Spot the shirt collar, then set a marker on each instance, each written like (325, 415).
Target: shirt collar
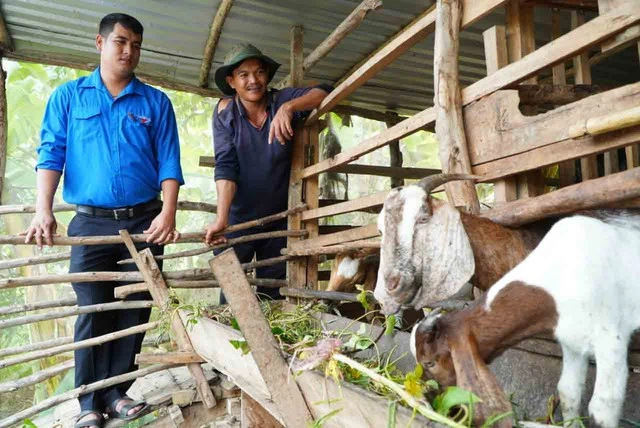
(94, 80)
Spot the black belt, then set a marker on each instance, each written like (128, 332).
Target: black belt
(125, 213)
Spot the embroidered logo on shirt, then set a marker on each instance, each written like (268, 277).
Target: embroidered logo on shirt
(142, 119)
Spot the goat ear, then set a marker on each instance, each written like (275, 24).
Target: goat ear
(473, 374)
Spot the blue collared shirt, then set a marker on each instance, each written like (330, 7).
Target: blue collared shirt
(114, 152)
(242, 153)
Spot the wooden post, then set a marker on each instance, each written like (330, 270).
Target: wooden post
(395, 155)
(158, 289)
(496, 57)
(521, 42)
(448, 105)
(3, 127)
(297, 269)
(311, 192)
(588, 165)
(281, 384)
(212, 41)
(566, 170)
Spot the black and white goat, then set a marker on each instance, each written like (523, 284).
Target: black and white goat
(429, 249)
(581, 285)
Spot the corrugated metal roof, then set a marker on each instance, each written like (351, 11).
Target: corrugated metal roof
(176, 33)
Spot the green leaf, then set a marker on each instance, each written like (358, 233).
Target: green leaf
(454, 396)
(234, 324)
(391, 414)
(319, 422)
(390, 324)
(277, 331)
(27, 423)
(242, 345)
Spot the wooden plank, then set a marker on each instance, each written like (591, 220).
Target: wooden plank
(496, 57)
(582, 76)
(160, 293)
(282, 387)
(374, 200)
(212, 41)
(349, 24)
(311, 197)
(628, 37)
(253, 415)
(450, 133)
(590, 5)
(398, 172)
(6, 43)
(296, 269)
(473, 10)
(497, 129)
(169, 358)
(594, 193)
(334, 249)
(362, 232)
(4, 130)
(564, 47)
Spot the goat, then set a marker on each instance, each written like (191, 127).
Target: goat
(429, 249)
(579, 284)
(354, 267)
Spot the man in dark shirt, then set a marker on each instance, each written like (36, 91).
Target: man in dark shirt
(252, 132)
(116, 140)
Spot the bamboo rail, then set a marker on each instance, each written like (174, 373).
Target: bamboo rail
(125, 290)
(26, 209)
(8, 310)
(102, 307)
(37, 377)
(45, 344)
(34, 260)
(332, 249)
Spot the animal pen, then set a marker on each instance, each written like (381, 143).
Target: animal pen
(513, 103)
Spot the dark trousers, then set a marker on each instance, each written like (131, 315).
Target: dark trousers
(115, 357)
(263, 249)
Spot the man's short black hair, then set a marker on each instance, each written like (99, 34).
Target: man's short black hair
(127, 21)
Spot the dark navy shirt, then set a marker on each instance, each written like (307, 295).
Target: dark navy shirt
(243, 155)
(115, 152)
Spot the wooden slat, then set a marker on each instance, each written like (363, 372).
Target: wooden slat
(374, 200)
(403, 41)
(280, 382)
(311, 197)
(160, 293)
(564, 47)
(590, 5)
(363, 232)
(297, 269)
(349, 24)
(169, 358)
(496, 57)
(387, 171)
(628, 37)
(212, 41)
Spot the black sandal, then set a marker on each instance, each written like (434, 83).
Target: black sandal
(122, 414)
(89, 422)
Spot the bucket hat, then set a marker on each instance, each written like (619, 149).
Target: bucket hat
(234, 57)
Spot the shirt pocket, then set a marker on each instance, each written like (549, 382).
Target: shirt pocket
(137, 130)
(87, 122)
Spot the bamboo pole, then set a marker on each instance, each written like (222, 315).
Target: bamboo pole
(125, 290)
(212, 41)
(305, 293)
(34, 260)
(89, 309)
(26, 209)
(349, 24)
(59, 341)
(78, 345)
(37, 377)
(75, 393)
(14, 309)
(158, 289)
(229, 243)
(452, 142)
(3, 120)
(607, 123)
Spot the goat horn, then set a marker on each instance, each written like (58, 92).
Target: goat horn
(431, 182)
(430, 321)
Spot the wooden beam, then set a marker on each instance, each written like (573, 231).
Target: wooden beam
(556, 94)
(4, 130)
(587, 5)
(311, 194)
(334, 249)
(400, 43)
(496, 57)
(625, 39)
(590, 194)
(253, 415)
(373, 200)
(160, 293)
(450, 132)
(564, 47)
(6, 43)
(169, 358)
(366, 113)
(349, 24)
(296, 56)
(359, 233)
(280, 383)
(296, 269)
(212, 41)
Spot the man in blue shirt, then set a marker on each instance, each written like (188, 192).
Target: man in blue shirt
(116, 140)
(252, 131)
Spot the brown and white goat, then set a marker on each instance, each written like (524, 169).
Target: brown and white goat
(429, 249)
(581, 285)
(354, 267)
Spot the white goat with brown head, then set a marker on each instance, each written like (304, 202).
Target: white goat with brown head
(429, 249)
(581, 285)
(354, 267)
